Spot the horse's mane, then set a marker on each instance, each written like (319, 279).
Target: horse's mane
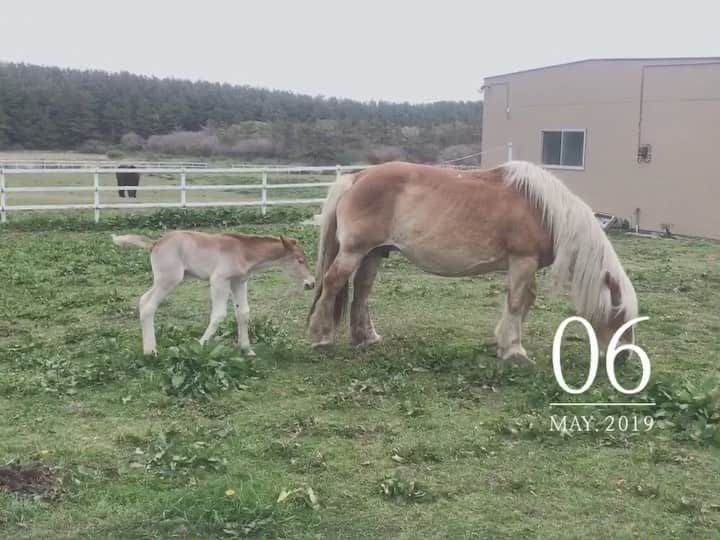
(583, 254)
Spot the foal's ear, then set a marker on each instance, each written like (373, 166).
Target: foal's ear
(614, 286)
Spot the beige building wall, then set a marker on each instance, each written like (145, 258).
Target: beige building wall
(672, 105)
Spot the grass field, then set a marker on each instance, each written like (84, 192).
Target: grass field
(423, 436)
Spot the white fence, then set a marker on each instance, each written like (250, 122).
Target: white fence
(183, 187)
(182, 170)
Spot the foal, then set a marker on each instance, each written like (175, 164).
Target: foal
(225, 260)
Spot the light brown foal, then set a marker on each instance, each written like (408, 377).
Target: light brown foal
(225, 260)
(516, 217)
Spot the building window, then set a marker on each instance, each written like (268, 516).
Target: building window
(563, 148)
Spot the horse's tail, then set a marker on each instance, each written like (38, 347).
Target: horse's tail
(328, 246)
(583, 255)
(133, 240)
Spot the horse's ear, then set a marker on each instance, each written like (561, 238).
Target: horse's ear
(614, 286)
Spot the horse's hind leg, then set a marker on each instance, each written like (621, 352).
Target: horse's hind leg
(520, 297)
(322, 322)
(361, 326)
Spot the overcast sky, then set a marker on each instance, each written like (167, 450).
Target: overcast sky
(365, 49)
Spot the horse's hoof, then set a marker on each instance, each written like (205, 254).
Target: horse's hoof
(369, 341)
(322, 344)
(519, 360)
(249, 352)
(621, 359)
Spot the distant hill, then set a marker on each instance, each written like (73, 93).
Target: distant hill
(53, 108)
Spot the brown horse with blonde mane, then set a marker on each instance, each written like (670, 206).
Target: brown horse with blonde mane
(517, 217)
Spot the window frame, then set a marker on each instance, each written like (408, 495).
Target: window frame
(562, 131)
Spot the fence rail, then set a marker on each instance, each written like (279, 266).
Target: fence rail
(85, 164)
(183, 187)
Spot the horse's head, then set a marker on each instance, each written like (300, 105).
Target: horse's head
(624, 308)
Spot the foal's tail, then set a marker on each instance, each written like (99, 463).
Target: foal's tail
(328, 246)
(133, 240)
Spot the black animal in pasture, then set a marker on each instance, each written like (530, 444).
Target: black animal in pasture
(127, 179)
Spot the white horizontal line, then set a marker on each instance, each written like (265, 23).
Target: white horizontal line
(601, 404)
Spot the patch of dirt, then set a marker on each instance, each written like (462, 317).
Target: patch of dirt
(32, 479)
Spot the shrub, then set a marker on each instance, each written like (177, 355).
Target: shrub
(114, 154)
(184, 142)
(92, 146)
(132, 142)
(259, 147)
(458, 151)
(381, 154)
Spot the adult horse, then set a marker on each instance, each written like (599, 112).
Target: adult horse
(517, 217)
(127, 179)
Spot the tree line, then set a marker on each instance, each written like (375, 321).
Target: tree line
(54, 108)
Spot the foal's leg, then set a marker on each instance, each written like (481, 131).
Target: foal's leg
(219, 292)
(149, 302)
(520, 296)
(361, 326)
(242, 314)
(322, 325)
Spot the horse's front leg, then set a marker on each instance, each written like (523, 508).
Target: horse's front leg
(520, 297)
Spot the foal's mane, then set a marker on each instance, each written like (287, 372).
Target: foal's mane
(584, 256)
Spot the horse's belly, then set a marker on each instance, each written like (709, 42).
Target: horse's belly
(449, 244)
(454, 263)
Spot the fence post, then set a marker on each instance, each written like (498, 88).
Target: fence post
(3, 201)
(96, 194)
(183, 187)
(338, 172)
(510, 151)
(263, 208)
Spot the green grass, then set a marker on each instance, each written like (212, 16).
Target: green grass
(423, 436)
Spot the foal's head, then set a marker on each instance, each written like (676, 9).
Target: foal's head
(294, 263)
